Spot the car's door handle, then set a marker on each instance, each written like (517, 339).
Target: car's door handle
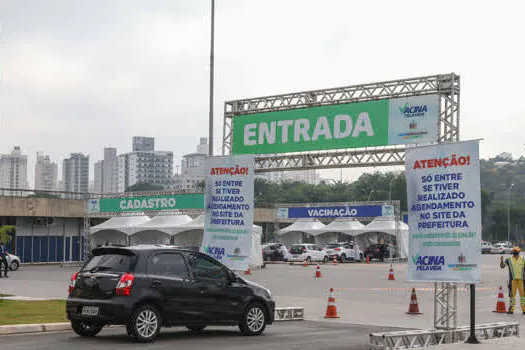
(156, 284)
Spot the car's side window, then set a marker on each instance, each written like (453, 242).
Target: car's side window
(168, 264)
(204, 268)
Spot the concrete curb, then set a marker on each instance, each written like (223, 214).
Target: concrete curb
(34, 328)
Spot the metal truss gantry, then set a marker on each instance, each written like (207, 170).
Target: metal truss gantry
(446, 86)
(445, 306)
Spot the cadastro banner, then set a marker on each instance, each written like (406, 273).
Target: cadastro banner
(334, 212)
(167, 202)
(444, 213)
(228, 218)
(407, 120)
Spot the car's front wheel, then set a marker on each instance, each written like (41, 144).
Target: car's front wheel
(145, 324)
(86, 329)
(14, 266)
(254, 320)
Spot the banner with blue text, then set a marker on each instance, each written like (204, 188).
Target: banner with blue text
(228, 216)
(334, 212)
(444, 213)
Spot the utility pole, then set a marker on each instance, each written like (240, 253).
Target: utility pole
(212, 54)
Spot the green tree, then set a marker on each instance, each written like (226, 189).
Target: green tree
(42, 194)
(144, 187)
(6, 233)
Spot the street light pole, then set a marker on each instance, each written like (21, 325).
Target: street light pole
(508, 212)
(212, 54)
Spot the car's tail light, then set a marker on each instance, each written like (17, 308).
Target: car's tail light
(337, 249)
(377, 250)
(125, 284)
(72, 283)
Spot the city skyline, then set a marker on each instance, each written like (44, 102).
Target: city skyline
(78, 77)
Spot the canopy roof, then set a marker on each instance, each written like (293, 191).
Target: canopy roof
(124, 224)
(195, 224)
(386, 225)
(310, 226)
(164, 223)
(343, 225)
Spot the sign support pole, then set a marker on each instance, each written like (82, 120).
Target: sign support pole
(472, 338)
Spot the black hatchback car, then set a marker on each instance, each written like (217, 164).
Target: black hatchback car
(149, 287)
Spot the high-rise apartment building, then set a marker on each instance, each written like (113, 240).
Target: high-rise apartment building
(99, 177)
(192, 168)
(143, 144)
(13, 170)
(106, 172)
(75, 173)
(46, 173)
(146, 166)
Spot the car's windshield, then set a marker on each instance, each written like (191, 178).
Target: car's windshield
(110, 262)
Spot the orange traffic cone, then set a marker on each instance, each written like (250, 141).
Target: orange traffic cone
(413, 308)
(331, 309)
(368, 259)
(318, 272)
(305, 263)
(335, 260)
(500, 304)
(248, 271)
(391, 274)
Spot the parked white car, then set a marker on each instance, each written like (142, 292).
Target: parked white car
(308, 252)
(13, 262)
(344, 251)
(486, 247)
(501, 248)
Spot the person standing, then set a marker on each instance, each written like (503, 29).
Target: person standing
(516, 265)
(3, 259)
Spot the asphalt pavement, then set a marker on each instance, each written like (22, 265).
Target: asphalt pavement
(304, 335)
(365, 300)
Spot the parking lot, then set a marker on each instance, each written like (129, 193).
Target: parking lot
(365, 299)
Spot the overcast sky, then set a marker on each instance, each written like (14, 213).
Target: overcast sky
(77, 76)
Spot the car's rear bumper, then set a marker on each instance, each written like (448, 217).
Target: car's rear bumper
(111, 311)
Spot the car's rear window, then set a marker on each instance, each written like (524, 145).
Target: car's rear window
(110, 262)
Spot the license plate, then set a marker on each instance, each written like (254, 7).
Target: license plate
(90, 310)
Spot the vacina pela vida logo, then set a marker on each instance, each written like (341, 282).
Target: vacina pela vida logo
(215, 252)
(411, 111)
(428, 263)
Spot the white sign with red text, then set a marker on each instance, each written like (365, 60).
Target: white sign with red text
(228, 217)
(444, 206)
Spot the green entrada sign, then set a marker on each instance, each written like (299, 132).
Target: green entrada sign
(406, 120)
(145, 203)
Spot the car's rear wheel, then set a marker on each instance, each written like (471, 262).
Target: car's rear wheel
(86, 329)
(14, 266)
(325, 259)
(254, 320)
(145, 324)
(343, 258)
(308, 259)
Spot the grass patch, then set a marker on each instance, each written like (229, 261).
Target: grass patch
(27, 312)
(5, 295)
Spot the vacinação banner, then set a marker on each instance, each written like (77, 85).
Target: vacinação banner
(444, 213)
(409, 120)
(334, 212)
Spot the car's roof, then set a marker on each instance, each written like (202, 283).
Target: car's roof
(143, 248)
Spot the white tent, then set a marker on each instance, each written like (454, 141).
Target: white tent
(330, 233)
(294, 233)
(388, 226)
(116, 229)
(191, 233)
(158, 230)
